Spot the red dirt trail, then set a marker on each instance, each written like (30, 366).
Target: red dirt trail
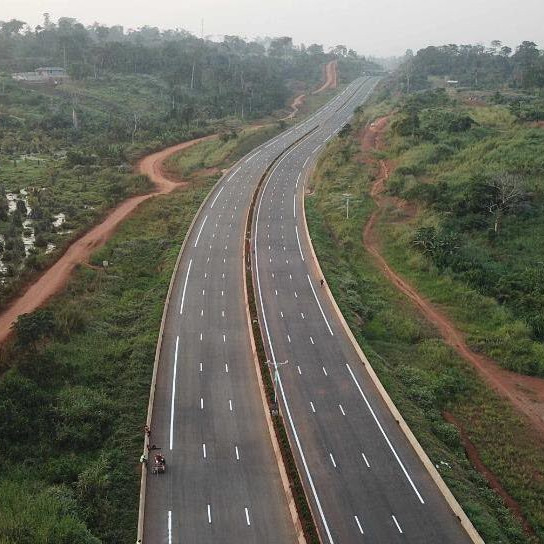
(331, 77)
(54, 279)
(525, 393)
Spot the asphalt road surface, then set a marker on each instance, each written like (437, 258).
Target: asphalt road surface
(222, 483)
(363, 478)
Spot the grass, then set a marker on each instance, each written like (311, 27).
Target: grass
(422, 374)
(69, 452)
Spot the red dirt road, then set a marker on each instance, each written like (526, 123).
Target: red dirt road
(525, 393)
(331, 78)
(54, 279)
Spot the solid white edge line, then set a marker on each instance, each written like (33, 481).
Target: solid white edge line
(185, 287)
(295, 205)
(401, 464)
(172, 408)
(319, 304)
(280, 383)
(299, 246)
(169, 526)
(200, 231)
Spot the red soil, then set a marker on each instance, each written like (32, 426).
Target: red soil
(331, 76)
(525, 393)
(54, 279)
(492, 480)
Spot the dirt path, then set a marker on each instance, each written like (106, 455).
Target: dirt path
(525, 393)
(331, 78)
(54, 279)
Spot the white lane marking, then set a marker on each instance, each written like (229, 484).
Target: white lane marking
(359, 525)
(299, 246)
(366, 460)
(290, 277)
(281, 313)
(200, 231)
(302, 315)
(276, 291)
(222, 313)
(280, 383)
(172, 407)
(204, 451)
(185, 287)
(226, 368)
(209, 514)
(401, 464)
(396, 523)
(254, 155)
(288, 338)
(332, 460)
(342, 409)
(296, 296)
(312, 340)
(327, 139)
(247, 517)
(230, 405)
(295, 206)
(298, 369)
(305, 162)
(169, 526)
(202, 313)
(319, 304)
(224, 339)
(216, 197)
(222, 293)
(312, 406)
(324, 371)
(298, 179)
(203, 292)
(233, 174)
(201, 403)
(316, 149)
(201, 337)
(201, 367)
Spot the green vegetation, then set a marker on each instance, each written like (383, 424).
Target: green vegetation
(73, 403)
(476, 175)
(474, 66)
(220, 153)
(423, 375)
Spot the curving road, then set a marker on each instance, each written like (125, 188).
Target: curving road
(363, 480)
(222, 482)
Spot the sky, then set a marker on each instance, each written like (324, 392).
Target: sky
(380, 27)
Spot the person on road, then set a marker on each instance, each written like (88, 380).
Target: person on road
(147, 430)
(143, 459)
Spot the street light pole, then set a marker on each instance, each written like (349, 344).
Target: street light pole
(276, 377)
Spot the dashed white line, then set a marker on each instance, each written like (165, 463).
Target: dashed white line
(298, 370)
(298, 241)
(332, 460)
(200, 231)
(396, 523)
(201, 403)
(204, 451)
(359, 525)
(230, 405)
(185, 287)
(312, 406)
(237, 453)
(366, 460)
(227, 368)
(209, 514)
(172, 408)
(324, 370)
(247, 517)
(216, 197)
(342, 409)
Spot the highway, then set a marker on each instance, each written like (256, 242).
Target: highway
(364, 480)
(222, 484)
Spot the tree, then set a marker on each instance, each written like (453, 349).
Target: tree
(31, 328)
(506, 194)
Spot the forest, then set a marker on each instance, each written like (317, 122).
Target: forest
(67, 147)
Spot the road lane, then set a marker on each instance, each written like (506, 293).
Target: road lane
(361, 474)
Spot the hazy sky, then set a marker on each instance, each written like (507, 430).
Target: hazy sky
(379, 27)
